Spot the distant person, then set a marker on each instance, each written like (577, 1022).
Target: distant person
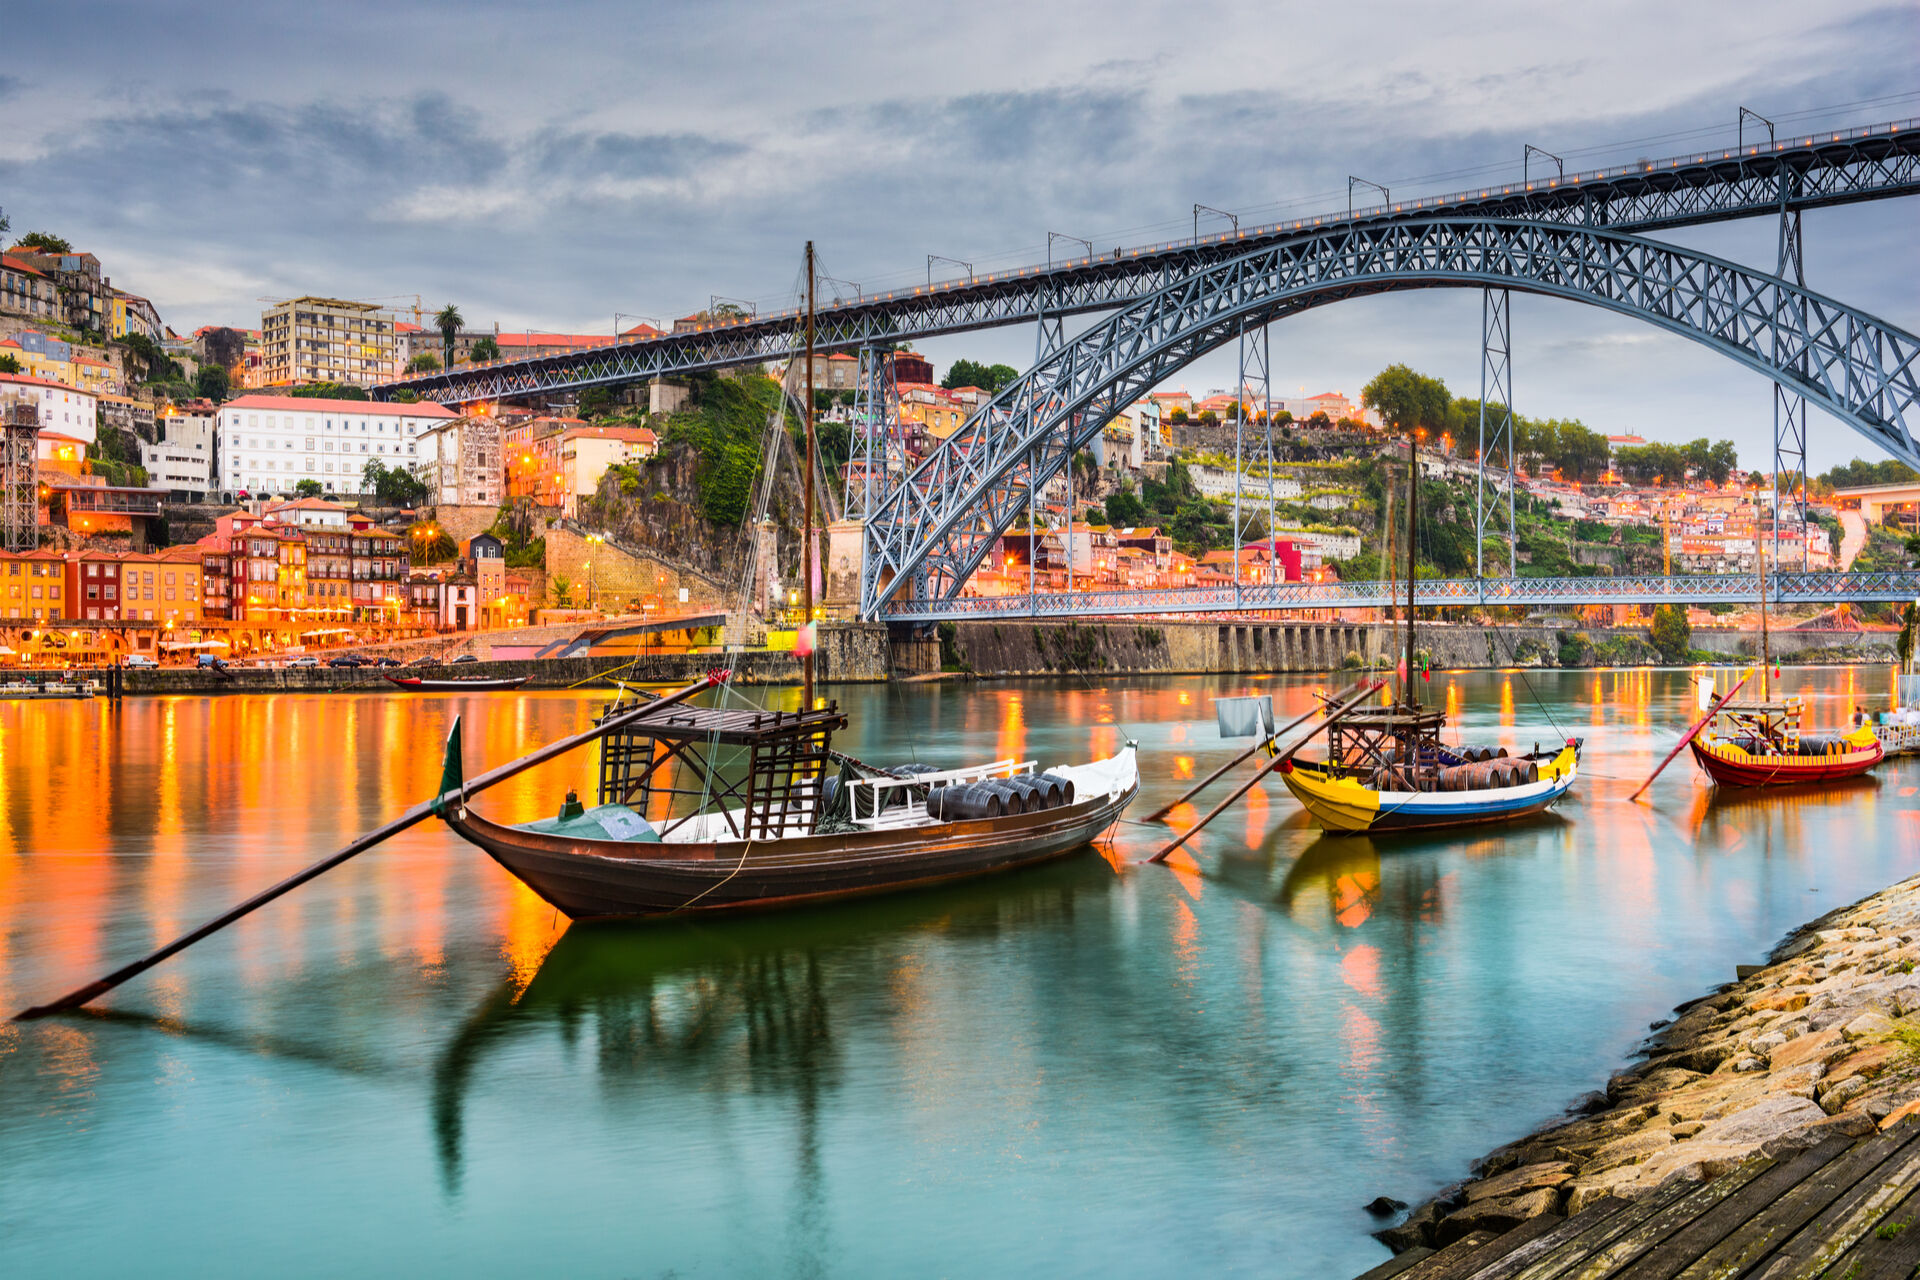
(1860, 717)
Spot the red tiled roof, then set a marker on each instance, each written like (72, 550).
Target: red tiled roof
(19, 264)
(314, 404)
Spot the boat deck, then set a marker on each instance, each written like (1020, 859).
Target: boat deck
(1843, 1208)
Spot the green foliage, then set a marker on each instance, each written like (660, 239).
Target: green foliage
(45, 241)
(1671, 633)
(562, 591)
(1909, 626)
(395, 487)
(596, 402)
(1406, 400)
(307, 489)
(1542, 445)
(430, 544)
(1125, 509)
(1576, 648)
(989, 378)
(9, 364)
(484, 350)
(1644, 464)
(1859, 473)
(1176, 491)
(724, 430)
(148, 357)
(213, 383)
(325, 391)
(425, 362)
(835, 443)
(448, 322)
(404, 395)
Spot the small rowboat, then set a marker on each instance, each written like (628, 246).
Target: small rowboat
(788, 832)
(456, 684)
(1760, 745)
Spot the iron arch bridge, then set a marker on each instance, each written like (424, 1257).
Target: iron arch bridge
(1784, 176)
(932, 531)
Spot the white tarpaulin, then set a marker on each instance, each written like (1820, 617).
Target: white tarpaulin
(1250, 717)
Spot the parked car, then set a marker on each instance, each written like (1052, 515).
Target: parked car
(305, 660)
(425, 660)
(211, 660)
(466, 657)
(386, 662)
(347, 660)
(139, 660)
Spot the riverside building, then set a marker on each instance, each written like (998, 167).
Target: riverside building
(268, 443)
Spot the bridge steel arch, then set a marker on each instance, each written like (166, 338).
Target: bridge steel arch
(937, 526)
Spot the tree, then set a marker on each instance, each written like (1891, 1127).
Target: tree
(425, 362)
(430, 544)
(448, 322)
(392, 487)
(1671, 633)
(562, 591)
(212, 383)
(970, 373)
(596, 401)
(485, 350)
(305, 488)
(1126, 510)
(4, 224)
(1408, 401)
(152, 359)
(45, 241)
(9, 364)
(822, 400)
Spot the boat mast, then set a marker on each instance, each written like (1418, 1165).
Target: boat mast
(1413, 508)
(1760, 556)
(806, 537)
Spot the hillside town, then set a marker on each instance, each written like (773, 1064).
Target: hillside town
(237, 491)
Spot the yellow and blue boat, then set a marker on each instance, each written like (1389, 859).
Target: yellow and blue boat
(1388, 771)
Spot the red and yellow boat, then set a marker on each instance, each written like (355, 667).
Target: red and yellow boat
(1759, 744)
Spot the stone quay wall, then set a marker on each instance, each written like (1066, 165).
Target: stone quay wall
(1817, 1043)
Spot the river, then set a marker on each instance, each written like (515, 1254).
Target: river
(1097, 1068)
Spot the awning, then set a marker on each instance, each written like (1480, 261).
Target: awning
(173, 646)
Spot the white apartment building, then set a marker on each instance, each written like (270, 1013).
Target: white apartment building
(182, 460)
(64, 410)
(460, 462)
(268, 443)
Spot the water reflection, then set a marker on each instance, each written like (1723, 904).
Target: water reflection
(1215, 1064)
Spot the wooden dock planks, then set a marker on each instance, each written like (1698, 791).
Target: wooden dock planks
(1841, 1210)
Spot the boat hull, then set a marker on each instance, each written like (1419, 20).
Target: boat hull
(1730, 766)
(604, 879)
(1344, 806)
(478, 684)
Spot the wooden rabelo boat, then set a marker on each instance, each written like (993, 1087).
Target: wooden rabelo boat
(456, 684)
(704, 809)
(1387, 770)
(1760, 743)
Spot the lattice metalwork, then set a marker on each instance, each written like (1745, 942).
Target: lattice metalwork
(1789, 406)
(19, 476)
(944, 518)
(1496, 460)
(879, 447)
(1871, 163)
(1726, 588)
(1255, 395)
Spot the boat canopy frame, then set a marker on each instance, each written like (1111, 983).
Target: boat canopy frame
(787, 754)
(1359, 739)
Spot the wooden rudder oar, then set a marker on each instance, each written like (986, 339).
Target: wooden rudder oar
(455, 793)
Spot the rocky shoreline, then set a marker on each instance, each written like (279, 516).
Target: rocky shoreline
(1823, 1040)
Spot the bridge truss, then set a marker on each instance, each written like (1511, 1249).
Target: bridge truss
(1813, 170)
(1783, 589)
(938, 525)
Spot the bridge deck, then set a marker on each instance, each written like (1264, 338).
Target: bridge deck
(1892, 587)
(1839, 1209)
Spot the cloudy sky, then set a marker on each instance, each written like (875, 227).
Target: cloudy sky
(548, 165)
